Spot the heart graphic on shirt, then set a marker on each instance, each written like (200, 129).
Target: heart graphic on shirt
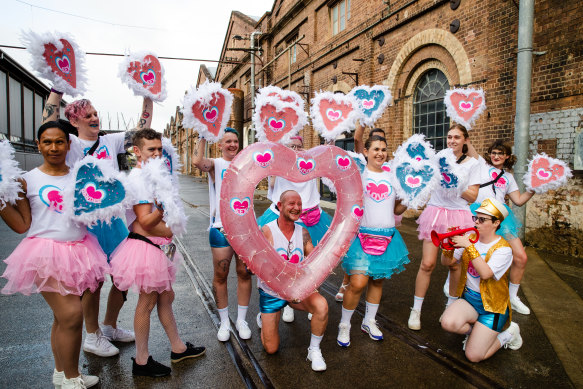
(240, 206)
(291, 281)
(296, 255)
(448, 179)
(378, 190)
(386, 167)
(501, 183)
(52, 197)
(62, 62)
(263, 158)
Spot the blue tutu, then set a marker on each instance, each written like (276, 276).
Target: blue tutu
(392, 261)
(509, 226)
(316, 231)
(111, 235)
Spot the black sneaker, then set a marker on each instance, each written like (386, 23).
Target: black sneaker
(150, 369)
(190, 352)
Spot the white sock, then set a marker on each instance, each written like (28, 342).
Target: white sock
(418, 303)
(371, 311)
(241, 312)
(504, 337)
(513, 289)
(450, 300)
(346, 315)
(224, 314)
(315, 342)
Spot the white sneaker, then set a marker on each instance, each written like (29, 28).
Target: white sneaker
(340, 295)
(318, 363)
(310, 316)
(343, 338)
(414, 320)
(446, 288)
(73, 383)
(516, 342)
(243, 328)
(117, 334)
(59, 376)
(372, 329)
(98, 344)
(465, 342)
(518, 306)
(288, 314)
(224, 331)
(259, 322)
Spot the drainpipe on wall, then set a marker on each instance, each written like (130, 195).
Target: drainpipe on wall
(253, 34)
(523, 89)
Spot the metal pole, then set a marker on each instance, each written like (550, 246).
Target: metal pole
(252, 129)
(187, 152)
(523, 89)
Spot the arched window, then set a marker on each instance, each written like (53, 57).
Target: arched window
(429, 117)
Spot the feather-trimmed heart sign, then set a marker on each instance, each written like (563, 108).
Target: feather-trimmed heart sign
(413, 180)
(546, 173)
(57, 58)
(372, 102)
(333, 113)
(416, 148)
(144, 75)
(279, 115)
(207, 109)
(464, 106)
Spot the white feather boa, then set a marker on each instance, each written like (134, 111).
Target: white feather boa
(535, 178)
(377, 113)
(347, 125)
(413, 168)
(35, 45)
(156, 174)
(461, 174)
(297, 105)
(204, 94)
(135, 86)
(109, 175)
(418, 147)
(452, 112)
(10, 187)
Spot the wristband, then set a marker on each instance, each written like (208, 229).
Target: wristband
(447, 253)
(56, 91)
(159, 207)
(473, 253)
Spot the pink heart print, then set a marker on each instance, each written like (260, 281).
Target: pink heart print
(240, 206)
(305, 166)
(55, 200)
(264, 158)
(357, 212)
(148, 73)
(91, 194)
(378, 191)
(501, 183)
(210, 115)
(343, 162)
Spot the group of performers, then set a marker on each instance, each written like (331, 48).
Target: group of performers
(63, 261)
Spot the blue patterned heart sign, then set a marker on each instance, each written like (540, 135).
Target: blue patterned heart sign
(167, 159)
(92, 194)
(372, 101)
(414, 182)
(417, 151)
(448, 178)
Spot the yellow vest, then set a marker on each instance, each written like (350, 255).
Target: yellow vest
(495, 294)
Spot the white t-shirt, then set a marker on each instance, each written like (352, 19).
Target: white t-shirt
(499, 262)
(45, 195)
(505, 184)
(221, 166)
(379, 200)
(109, 147)
(290, 250)
(307, 190)
(141, 193)
(439, 197)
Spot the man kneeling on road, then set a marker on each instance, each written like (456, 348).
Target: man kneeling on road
(294, 241)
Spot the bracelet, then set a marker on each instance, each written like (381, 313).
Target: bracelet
(56, 91)
(447, 253)
(159, 207)
(472, 252)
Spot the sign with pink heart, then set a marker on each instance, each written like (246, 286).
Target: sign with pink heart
(465, 105)
(291, 281)
(546, 173)
(144, 75)
(334, 113)
(57, 58)
(207, 109)
(279, 114)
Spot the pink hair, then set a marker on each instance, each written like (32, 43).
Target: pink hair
(298, 138)
(77, 109)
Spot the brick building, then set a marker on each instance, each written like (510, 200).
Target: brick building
(420, 49)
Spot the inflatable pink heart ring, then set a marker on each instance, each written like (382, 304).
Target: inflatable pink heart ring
(292, 281)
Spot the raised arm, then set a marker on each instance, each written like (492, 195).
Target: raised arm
(198, 159)
(520, 198)
(146, 115)
(358, 139)
(471, 150)
(18, 217)
(52, 109)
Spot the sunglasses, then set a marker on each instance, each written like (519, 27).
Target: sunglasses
(480, 219)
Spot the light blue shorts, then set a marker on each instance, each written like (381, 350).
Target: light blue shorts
(269, 303)
(494, 321)
(217, 238)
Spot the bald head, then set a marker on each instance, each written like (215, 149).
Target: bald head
(287, 194)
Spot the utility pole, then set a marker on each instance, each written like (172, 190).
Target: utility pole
(253, 34)
(523, 90)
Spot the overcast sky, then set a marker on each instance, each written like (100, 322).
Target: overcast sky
(174, 28)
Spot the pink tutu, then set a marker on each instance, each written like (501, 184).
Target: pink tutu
(46, 265)
(143, 267)
(440, 219)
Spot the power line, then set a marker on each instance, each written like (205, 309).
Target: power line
(92, 19)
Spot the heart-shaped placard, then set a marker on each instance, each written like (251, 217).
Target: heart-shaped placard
(279, 114)
(9, 174)
(207, 110)
(465, 105)
(144, 75)
(415, 148)
(333, 113)
(546, 173)
(99, 193)
(57, 58)
(372, 102)
(292, 281)
(413, 181)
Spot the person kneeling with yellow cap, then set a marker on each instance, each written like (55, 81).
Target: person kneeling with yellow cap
(483, 312)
